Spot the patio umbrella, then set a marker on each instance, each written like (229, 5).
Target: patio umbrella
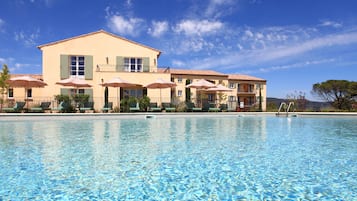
(219, 88)
(160, 84)
(74, 82)
(25, 82)
(118, 82)
(201, 84)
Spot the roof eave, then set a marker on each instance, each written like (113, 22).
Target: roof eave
(95, 32)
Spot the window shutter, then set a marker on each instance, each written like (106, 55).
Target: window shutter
(65, 91)
(64, 65)
(146, 64)
(88, 61)
(120, 64)
(90, 93)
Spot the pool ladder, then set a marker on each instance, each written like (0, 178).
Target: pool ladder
(287, 108)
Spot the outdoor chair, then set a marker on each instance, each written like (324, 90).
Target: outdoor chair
(18, 107)
(213, 108)
(107, 107)
(134, 107)
(190, 107)
(87, 106)
(205, 106)
(168, 107)
(224, 107)
(154, 108)
(44, 106)
(60, 108)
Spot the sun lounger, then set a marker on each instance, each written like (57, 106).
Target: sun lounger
(212, 108)
(44, 106)
(224, 107)
(108, 107)
(134, 107)
(18, 107)
(190, 107)
(168, 107)
(154, 108)
(88, 106)
(60, 107)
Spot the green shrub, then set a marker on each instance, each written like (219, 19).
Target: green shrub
(144, 103)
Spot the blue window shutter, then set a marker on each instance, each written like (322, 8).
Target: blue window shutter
(88, 61)
(146, 64)
(64, 65)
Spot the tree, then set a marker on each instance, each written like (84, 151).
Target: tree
(4, 86)
(341, 93)
(298, 97)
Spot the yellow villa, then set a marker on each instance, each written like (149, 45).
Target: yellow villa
(100, 56)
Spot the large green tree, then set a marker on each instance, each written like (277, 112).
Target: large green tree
(341, 93)
(4, 76)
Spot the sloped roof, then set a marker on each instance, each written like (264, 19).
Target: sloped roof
(244, 77)
(190, 72)
(97, 32)
(37, 76)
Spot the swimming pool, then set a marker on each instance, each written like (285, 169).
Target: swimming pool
(179, 158)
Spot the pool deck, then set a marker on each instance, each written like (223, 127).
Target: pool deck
(148, 115)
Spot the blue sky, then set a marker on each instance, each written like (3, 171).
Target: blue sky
(290, 43)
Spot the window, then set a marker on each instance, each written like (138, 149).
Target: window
(231, 85)
(29, 93)
(210, 97)
(133, 64)
(11, 93)
(179, 93)
(76, 91)
(137, 93)
(179, 79)
(77, 66)
(259, 86)
(231, 98)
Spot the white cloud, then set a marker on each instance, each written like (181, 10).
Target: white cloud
(178, 63)
(216, 8)
(3, 61)
(248, 57)
(158, 28)
(14, 66)
(300, 48)
(125, 26)
(198, 27)
(129, 3)
(294, 65)
(47, 3)
(328, 23)
(28, 39)
(2, 22)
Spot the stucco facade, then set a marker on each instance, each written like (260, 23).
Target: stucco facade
(100, 56)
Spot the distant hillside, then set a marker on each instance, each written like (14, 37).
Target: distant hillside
(314, 105)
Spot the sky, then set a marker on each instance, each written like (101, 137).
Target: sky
(292, 44)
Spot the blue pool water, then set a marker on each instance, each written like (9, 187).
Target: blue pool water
(191, 158)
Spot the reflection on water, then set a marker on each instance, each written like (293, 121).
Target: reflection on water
(190, 158)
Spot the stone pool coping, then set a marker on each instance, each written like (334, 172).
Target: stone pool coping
(23, 116)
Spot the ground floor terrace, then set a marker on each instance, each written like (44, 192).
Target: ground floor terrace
(132, 100)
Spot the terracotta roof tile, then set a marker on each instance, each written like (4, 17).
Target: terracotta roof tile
(190, 72)
(244, 77)
(37, 76)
